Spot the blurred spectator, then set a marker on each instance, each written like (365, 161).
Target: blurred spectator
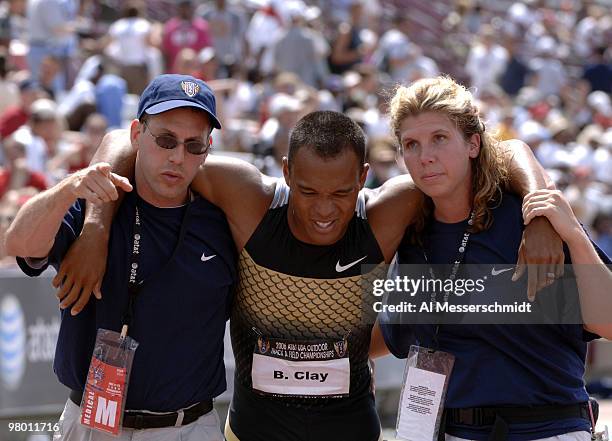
(348, 48)
(601, 108)
(599, 72)
(574, 99)
(94, 90)
(111, 93)
(208, 64)
(128, 44)
(186, 62)
(486, 61)
(297, 39)
(602, 161)
(361, 87)
(185, 30)
(81, 99)
(264, 29)
(17, 19)
(415, 65)
(513, 77)
(15, 173)
(584, 197)
(41, 135)
(472, 17)
(79, 154)
(505, 128)
(52, 32)
(50, 67)
(285, 110)
(602, 225)
(314, 22)
(535, 134)
(382, 160)
(401, 58)
(549, 73)
(592, 151)
(392, 45)
(590, 32)
(5, 25)
(17, 115)
(8, 89)
(227, 27)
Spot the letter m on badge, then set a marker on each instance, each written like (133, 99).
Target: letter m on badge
(106, 414)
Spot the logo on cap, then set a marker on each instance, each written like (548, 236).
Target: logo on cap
(190, 88)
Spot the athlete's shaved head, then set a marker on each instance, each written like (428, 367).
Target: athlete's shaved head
(328, 134)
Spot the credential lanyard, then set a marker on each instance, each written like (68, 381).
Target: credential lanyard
(135, 285)
(454, 270)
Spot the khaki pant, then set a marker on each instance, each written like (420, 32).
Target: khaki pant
(205, 428)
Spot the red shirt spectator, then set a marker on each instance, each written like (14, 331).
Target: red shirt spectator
(16, 116)
(184, 31)
(33, 179)
(12, 118)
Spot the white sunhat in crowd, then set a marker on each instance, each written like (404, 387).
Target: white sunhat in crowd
(282, 102)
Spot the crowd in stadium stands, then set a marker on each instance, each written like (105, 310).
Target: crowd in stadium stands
(542, 69)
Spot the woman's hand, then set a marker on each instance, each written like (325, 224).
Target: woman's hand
(552, 205)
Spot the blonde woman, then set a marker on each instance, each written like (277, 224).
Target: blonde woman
(537, 370)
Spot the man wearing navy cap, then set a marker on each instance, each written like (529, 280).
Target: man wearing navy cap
(185, 259)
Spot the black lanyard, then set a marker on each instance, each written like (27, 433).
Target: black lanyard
(455, 269)
(135, 285)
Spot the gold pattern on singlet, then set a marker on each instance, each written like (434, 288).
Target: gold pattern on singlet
(301, 308)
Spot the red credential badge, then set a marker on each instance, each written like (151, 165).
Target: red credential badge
(105, 392)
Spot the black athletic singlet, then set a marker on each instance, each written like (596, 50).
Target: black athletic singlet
(288, 289)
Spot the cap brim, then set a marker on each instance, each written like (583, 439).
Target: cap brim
(175, 104)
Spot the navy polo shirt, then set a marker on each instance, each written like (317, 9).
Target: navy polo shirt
(498, 365)
(180, 312)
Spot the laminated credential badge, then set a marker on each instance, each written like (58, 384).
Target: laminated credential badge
(105, 392)
(423, 394)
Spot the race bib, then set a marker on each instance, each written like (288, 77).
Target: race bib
(306, 369)
(105, 392)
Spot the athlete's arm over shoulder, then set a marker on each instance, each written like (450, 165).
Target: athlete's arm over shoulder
(391, 208)
(525, 172)
(541, 249)
(239, 189)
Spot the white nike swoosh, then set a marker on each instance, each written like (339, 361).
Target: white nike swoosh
(206, 258)
(498, 272)
(341, 268)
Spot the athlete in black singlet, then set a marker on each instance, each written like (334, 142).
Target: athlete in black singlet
(315, 294)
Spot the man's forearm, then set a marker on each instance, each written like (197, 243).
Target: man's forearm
(525, 172)
(33, 231)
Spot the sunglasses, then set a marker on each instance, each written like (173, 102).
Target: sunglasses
(169, 142)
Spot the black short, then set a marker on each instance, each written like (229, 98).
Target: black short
(257, 418)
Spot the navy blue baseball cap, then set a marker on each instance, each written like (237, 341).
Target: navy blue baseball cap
(171, 91)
